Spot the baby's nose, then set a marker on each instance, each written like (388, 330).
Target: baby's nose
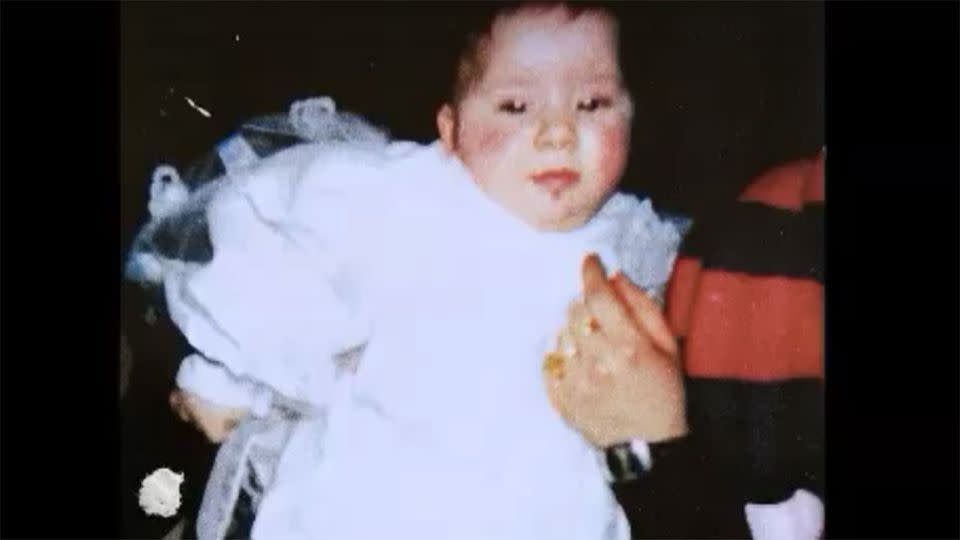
(556, 133)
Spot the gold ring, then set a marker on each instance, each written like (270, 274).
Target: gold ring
(554, 364)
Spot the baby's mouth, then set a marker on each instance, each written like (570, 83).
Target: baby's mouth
(555, 180)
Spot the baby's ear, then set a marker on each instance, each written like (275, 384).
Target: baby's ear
(447, 127)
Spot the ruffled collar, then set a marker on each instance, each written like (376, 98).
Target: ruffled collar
(640, 243)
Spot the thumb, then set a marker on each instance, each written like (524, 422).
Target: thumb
(592, 275)
(646, 313)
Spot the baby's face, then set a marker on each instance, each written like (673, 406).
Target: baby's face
(545, 131)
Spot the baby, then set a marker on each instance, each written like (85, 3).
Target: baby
(450, 266)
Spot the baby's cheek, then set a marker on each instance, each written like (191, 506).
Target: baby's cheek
(613, 153)
(483, 142)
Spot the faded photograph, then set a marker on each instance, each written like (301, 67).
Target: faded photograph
(505, 270)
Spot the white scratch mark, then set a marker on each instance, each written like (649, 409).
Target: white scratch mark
(198, 108)
(236, 37)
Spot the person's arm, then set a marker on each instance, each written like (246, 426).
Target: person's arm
(627, 384)
(677, 493)
(671, 499)
(671, 489)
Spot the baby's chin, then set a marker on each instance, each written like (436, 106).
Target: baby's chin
(545, 211)
(554, 220)
(557, 214)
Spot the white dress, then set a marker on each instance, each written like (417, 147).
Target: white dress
(445, 430)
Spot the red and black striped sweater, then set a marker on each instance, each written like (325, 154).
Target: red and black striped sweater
(746, 302)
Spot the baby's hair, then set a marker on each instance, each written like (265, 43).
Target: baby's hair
(471, 63)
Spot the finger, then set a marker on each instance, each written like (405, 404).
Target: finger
(603, 303)
(178, 406)
(592, 274)
(213, 432)
(580, 320)
(215, 423)
(567, 395)
(563, 371)
(587, 337)
(175, 398)
(646, 313)
(586, 376)
(558, 393)
(218, 431)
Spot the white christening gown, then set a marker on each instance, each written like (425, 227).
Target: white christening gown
(445, 430)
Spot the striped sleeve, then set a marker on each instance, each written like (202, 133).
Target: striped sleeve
(746, 298)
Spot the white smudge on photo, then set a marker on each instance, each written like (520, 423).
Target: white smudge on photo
(198, 108)
(160, 493)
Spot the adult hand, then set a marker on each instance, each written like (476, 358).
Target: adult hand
(617, 374)
(213, 421)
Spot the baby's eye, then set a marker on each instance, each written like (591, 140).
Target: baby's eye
(593, 104)
(512, 107)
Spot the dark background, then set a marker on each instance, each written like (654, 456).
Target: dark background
(723, 91)
(892, 87)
